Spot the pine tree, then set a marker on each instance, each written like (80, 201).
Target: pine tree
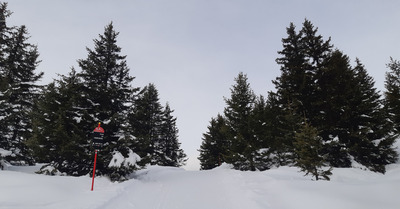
(4, 13)
(372, 139)
(146, 120)
(392, 93)
(238, 115)
(18, 62)
(168, 151)
(215, 144)
(339, 101)
(107, 96)
(309, 148)
(336, 89)
(57, 138)
(302, 56)
(283, 122)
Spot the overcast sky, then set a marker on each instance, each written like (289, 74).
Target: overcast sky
(193, 49)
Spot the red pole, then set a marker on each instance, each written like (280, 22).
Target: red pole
(94, 167)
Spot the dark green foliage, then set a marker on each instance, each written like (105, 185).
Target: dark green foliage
(340, 101)
(243, 149)
(168, 151)
(302, 55)
(146, 120)
(155, 130)
(57, 138)
(107, 95)
(308, 148)
(215, 145)
(372, 144)
(392, 93)
(283, 124)
(18, 62)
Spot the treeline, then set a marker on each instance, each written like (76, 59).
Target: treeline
(52, 124)
(324, 113)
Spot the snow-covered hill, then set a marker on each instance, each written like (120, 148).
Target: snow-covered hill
(221, 188)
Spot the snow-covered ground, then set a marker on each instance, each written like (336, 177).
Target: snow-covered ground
(220, 188)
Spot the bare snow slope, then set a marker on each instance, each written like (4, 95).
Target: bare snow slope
(221, 188)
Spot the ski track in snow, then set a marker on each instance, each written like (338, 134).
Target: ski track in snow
(221, 188)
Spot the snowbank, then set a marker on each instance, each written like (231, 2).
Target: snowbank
(174, 188)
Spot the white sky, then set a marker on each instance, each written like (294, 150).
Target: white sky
(193, 49)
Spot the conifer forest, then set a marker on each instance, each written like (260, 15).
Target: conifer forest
(324, 112)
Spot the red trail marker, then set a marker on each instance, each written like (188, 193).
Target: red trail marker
(98, 134)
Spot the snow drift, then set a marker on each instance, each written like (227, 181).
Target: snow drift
(175, 188)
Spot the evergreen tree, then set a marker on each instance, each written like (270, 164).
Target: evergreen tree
(146, 120)
(309, 148)
(215, 145)
(107, 96)
(392, 93)
(336, 89)
(282, 121)
(339, 101)
(238, 112)
(302, 56)
(372, 145)
(262, 134)
(57, 138)
(4, 13)
(168, 151)
(18, 62)
(301, 60)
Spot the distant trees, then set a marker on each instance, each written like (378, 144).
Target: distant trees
(324, 112)
(155, 130)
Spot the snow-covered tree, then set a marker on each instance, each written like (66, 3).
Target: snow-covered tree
(18, 88)
(168, 151)
(215, 145)
(58, 139)
(155, 130)
(238, 114)
(107, 94)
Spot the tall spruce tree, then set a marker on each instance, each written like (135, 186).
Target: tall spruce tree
(57, 138)
(302, 57)
(155, 131)
(146, 120)
(243, 149)
(392, 93)
(215, 144)
(373, 140)
(336, 89)
(107, 96)
(168, 151)
(18, 88)
(282, 122)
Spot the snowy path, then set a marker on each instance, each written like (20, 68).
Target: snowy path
(221, 188)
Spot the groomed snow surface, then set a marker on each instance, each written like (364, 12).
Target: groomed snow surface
(221, 188)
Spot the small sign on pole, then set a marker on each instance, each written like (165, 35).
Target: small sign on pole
(98, 135)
